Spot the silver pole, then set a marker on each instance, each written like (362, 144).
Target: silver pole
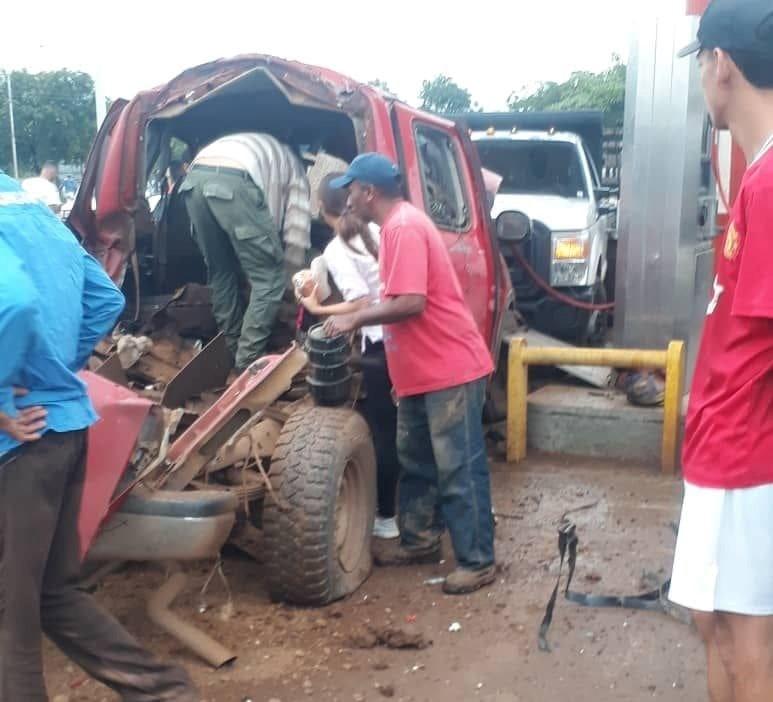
(13, 126)
(99, 100)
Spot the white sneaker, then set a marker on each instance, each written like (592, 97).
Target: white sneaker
(385, 528)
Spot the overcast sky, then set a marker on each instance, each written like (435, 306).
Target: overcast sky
(491, 47)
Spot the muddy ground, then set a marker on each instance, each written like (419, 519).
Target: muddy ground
(290, 654)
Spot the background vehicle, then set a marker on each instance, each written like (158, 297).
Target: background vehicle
(550, 164)
(303, 475)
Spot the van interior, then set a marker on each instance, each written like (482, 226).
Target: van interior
(255, 101)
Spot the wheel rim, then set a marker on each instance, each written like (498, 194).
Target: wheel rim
(598, 321)
(350, 518)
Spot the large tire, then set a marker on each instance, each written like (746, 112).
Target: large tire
(318, 530)
(597, 325)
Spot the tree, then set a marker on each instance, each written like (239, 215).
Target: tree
(54, 115)
(443, 95)
(583, 91)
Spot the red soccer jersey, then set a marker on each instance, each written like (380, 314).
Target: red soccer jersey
(729, 432)
(442, 347)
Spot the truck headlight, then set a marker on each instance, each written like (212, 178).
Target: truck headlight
(569, 262)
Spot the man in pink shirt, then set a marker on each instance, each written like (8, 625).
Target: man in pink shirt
(439, 365)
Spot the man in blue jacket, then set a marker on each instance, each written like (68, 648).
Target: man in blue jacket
(56, 303)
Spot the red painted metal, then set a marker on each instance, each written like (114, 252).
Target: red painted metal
(473, 256)
(110, 234)
(216, 416)
(118, 152)
(112, 441)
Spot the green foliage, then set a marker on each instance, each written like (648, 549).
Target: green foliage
(179, 150)
(443, 95)
(583, 91)
(54, 115)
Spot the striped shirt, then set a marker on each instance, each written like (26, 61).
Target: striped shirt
(278, 172)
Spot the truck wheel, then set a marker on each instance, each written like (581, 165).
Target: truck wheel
(317, 528)
(597, 326)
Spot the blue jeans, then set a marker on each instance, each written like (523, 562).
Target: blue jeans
(445, 478)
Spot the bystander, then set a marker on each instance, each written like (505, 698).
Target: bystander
(439, 364)
(723, 567)
(56, 303)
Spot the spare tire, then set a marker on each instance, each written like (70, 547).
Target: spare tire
(317, 526)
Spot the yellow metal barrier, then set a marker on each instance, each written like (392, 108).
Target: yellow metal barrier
(521, 357)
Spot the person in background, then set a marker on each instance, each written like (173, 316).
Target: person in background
(173, 177)
(45, 186)
(491, 182)
(247, 197)
(352, 260)
(439, 364)
(56, 303)
(723, 565)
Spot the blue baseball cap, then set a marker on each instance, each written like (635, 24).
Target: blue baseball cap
(370, 168)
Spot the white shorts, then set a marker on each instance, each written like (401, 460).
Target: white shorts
(724, 551)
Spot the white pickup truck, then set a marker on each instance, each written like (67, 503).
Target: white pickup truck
(550, 173)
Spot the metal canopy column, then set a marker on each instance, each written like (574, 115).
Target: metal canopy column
(668, 195)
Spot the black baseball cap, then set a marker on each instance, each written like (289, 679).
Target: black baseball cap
(370, 168)
(736, 25)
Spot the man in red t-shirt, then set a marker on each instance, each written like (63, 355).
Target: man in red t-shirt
(439, 365)
(723, 566)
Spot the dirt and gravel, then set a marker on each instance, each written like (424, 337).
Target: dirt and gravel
(400, 637)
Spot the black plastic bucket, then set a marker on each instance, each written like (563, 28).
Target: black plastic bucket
(330, 394)
(327, 350)
(329, 376)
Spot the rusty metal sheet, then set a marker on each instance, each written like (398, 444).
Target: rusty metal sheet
(188, 312)
(256, 441)
(173, 349)
(112, 370)
(318, 83)
(149, 369)
(254, 391)
(207, 370)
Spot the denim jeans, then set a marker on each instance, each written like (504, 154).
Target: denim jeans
(381, 414)
(445, 476)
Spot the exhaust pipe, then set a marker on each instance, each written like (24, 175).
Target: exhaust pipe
(160, 614)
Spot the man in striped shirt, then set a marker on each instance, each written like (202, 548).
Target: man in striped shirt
(248, 199)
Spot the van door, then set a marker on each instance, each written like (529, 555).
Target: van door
(82, 218)
(104, 211)
(447, 184)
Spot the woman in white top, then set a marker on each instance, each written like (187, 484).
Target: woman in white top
(352, 261)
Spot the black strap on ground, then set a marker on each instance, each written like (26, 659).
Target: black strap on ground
(567, 548)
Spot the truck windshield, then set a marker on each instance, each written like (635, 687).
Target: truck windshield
(535, 167)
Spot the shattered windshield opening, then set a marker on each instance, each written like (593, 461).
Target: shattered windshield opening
(535, 167)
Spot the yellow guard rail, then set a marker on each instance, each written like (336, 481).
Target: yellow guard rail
(521, 357)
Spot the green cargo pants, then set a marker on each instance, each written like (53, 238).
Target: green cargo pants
(235, 230)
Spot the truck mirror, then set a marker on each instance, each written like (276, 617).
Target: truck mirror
(513, 226)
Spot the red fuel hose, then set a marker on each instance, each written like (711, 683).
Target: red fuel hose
(552, 292)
